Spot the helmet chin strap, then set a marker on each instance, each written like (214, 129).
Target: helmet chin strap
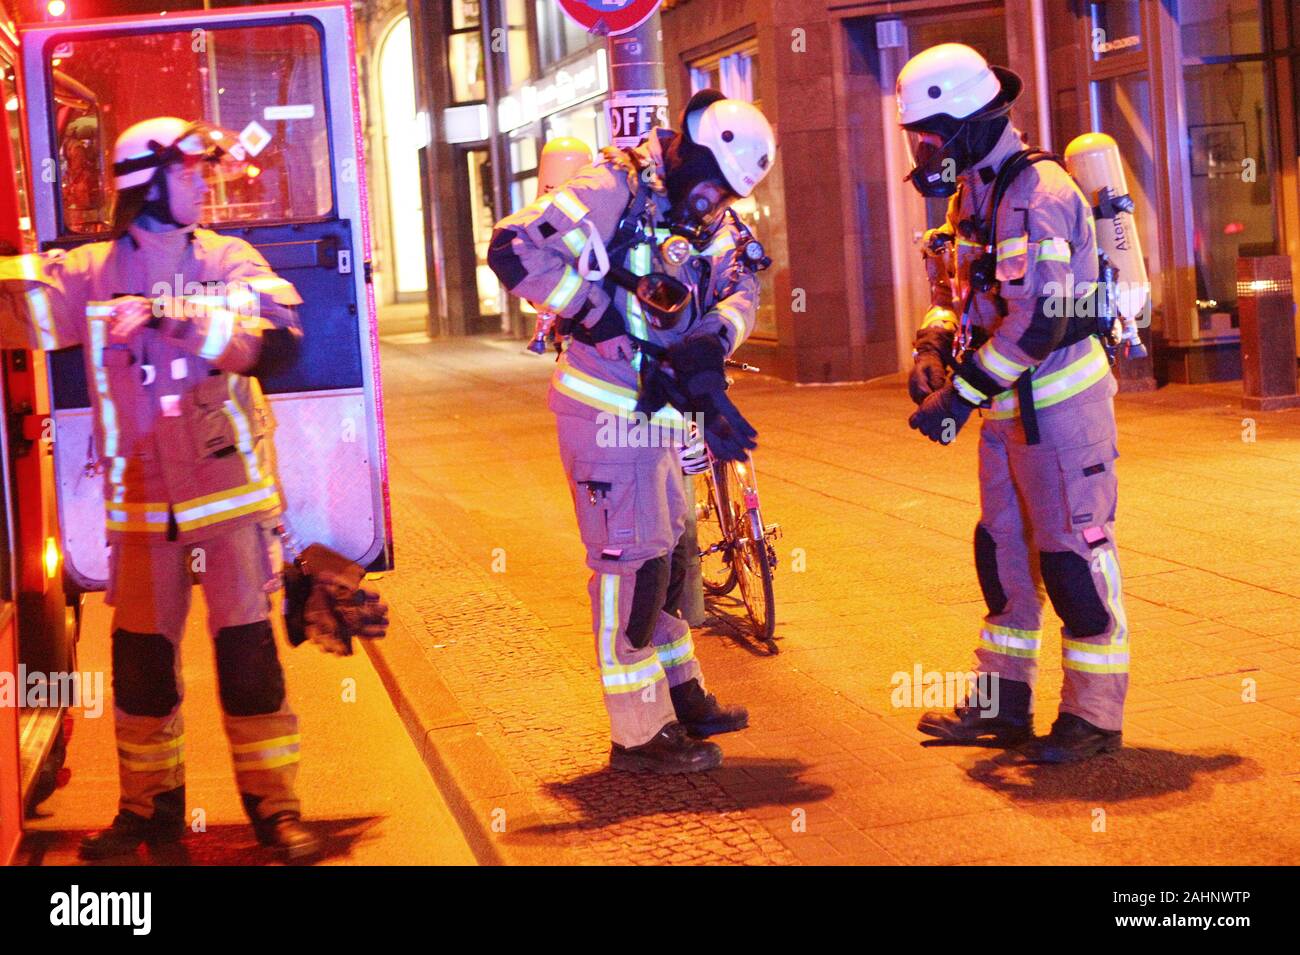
(160, 209)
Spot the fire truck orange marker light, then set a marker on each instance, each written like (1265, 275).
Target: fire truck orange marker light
(51, 557)
(57, 8)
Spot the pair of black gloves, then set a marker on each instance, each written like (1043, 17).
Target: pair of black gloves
(943, 411)
(691, 376)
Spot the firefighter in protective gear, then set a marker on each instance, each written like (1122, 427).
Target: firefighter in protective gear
(657, 212)
(176, 324)
(1014, 317)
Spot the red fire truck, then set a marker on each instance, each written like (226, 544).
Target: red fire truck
(284, 78)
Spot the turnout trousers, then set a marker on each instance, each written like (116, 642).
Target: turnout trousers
(1047, 517)
(149, 588)
(631, 508)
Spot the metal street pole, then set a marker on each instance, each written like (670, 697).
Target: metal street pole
(638, 94)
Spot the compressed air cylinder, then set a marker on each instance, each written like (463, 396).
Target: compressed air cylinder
(1093, 160)
(560, 161)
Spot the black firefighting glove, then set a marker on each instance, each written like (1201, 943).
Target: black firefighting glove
(325, 603)
(698, 365)
(941, 414)
(933, 350)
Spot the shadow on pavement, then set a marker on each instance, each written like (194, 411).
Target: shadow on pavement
(726, 617)
(608, 798)
(1132, 773)
(218, 845)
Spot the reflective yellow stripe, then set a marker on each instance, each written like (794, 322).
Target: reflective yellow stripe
(124, 516)
(1010, 248)
(243, 432)
(272, 762)
(156, 757)
(263, 744)
(151, 767)
(969, 243)
(38, 303)
(1053, 250)
(576, 240)
(226, 505)
(606, 396)
(999, 364)
(142, 749)
(1011, 642)
(565, 290)
(609, 585)
(569, 204)
(266, 753)
(968, 391)
(678, 653)
(1095, 657)
(107, 410)
(1073, 379)
(638, 263)
(732, 316)
(723, 243)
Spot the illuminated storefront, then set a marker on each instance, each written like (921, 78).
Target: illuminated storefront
(1200, 95)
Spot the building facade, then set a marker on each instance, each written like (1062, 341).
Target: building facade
(1200, 95)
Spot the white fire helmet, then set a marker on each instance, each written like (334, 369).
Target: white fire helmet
(950, 79)
(740, 138)
(142, 148)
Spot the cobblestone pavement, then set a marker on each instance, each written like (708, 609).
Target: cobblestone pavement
(875, 580)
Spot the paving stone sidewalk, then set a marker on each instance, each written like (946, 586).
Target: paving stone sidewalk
(492, 662)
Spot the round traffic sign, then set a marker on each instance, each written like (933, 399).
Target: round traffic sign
(609, 17)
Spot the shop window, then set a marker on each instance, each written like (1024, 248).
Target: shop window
(465, 14)
(1116, 28)
(735, 74)
(465, 62)
(1231, 157)
(265, 82)
(558, 37)
(586, 123)
(519, 53)
(1214, 28)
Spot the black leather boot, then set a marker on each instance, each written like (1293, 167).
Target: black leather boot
(1072, 739)
(285, 833)
(1011, 726)
(129, 829)
(701, 713)
(671, 750)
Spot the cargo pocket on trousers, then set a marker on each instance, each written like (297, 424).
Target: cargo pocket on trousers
(605, 501)
(1090, 486)
(212, 432)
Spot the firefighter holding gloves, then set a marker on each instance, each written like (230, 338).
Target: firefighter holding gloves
(1014, 273)
(642, 260)
(184, 437)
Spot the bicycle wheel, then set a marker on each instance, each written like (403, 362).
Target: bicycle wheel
(713, 532)
(752, 557)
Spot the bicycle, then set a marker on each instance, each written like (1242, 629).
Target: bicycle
(726, 501)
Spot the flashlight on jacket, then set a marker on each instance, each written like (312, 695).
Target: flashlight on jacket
(542, 333)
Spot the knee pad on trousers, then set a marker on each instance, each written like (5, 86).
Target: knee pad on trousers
(986, 567)
(248, 671)
(648, 597)
(676, 577)
(1069, 583)
(144, 673)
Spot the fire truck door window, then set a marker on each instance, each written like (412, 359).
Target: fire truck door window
(9, 92)
(263, 83)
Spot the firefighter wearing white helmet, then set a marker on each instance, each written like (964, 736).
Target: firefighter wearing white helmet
(1013, 331)
(655, 283)
(177, 323)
